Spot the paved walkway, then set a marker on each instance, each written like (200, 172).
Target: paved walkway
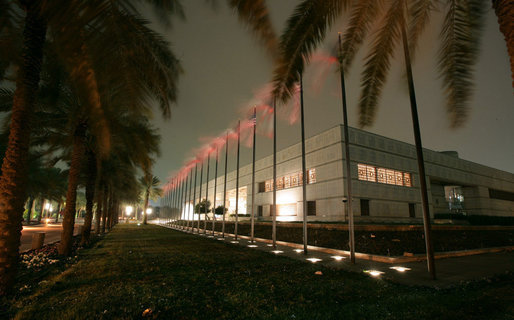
(52, 233)
(450, 271)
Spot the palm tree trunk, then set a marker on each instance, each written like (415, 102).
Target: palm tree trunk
(99, 202)
(504, 10)
(14, 166)
(40, 215)
(147, 194)
(58, 212)
(90, 196)
(30, 207)
(68, 222)
(105, 209)
(110, 211)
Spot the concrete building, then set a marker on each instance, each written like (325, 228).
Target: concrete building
(385, 182)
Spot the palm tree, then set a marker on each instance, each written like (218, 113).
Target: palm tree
(460, 35)
(151, 190)
(504, 10)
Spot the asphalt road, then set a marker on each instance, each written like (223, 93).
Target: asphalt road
(52, 233)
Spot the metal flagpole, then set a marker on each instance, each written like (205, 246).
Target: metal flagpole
(304, 170)
(274, 207)
(419, 151)
(206, 195)
(225, 188)
(200, 198)
(252, 223)
(182, 194)
(237, 177)
(194, 200)
(215, 186)
(184, 206)
(189, 211)
(351, 229)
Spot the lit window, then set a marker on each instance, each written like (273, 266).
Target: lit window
(390, 176)
(407, 179)
(362, 171)
(312, 176)
(294, 180)
(268, 186)
(399, 178)
(287, 182)
(381, 175)
(300, 179)
(370, 172)
(280, 183)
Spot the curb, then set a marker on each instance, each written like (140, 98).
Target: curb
(371, 257)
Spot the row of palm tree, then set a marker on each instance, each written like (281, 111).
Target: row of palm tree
(85, 74)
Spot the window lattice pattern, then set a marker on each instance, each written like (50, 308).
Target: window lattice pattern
(382, 175)
(290, 181)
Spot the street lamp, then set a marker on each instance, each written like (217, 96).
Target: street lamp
(128, 210)
(149, 211)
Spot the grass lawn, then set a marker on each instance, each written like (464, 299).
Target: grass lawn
(180, 276)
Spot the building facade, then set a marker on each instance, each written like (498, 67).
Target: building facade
(385, 182)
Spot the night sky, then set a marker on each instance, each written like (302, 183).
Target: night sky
(225, 66)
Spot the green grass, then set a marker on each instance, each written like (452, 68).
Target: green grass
(180, 276)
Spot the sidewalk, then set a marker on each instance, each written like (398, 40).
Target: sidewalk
(450, 271)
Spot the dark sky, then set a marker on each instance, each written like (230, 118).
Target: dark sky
(224, 67)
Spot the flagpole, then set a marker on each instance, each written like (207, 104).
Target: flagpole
(206, 194)
(200, 198)
(182, 200)
(419, 150)
(252, 223)
(215, 186)
(185, 206)
(237, 177)
(175, 190)
(225, 189)
(274, 207)
(194, 199)
(304, 170)
(189, 199)
(351, 229)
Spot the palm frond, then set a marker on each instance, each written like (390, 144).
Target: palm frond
(363, 15)
(378, 62)
(255, 14)
(305, 30)
(420, 16)
(458, 54)
(165, 9)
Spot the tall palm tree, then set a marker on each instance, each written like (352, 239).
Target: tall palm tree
(460, 35)
(151, 190)
(504, 10)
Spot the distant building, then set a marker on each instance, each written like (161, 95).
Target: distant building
(385, 182)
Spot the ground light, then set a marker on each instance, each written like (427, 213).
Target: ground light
(373, 273)
(234, 241)
(277, 251)
(252, 246)
(298, 250)
(338, 258)
(269, 245)
(314, 260)
(400, 269)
